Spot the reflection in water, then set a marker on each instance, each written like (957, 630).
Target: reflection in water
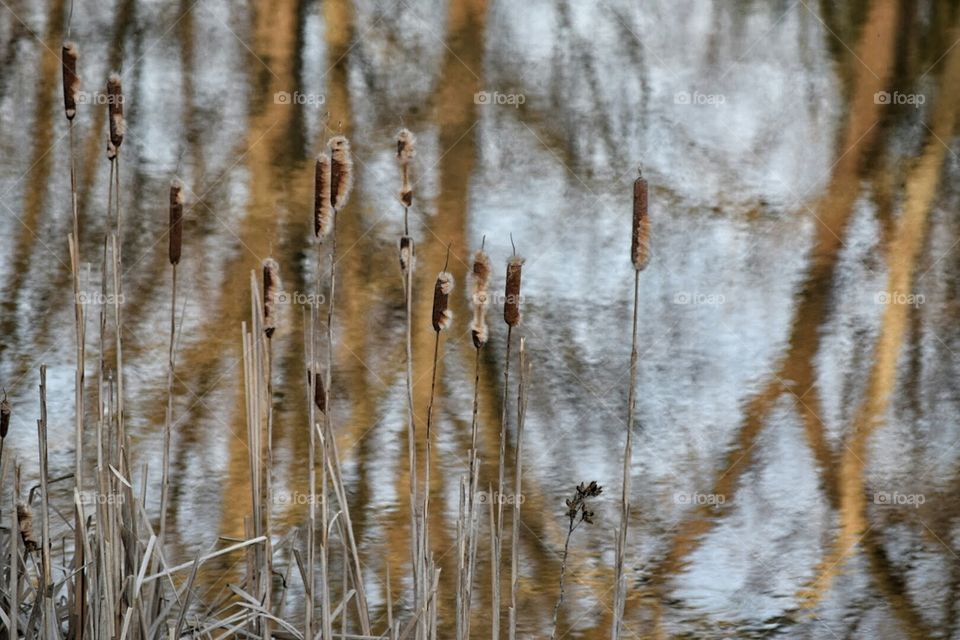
(796, 466)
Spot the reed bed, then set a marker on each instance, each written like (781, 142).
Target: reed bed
(115, 579)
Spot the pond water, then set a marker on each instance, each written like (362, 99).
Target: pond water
(796, 466)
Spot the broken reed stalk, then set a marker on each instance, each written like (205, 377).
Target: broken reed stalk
(13, 587)
(271, 297)
(406, 150)
(49, 620)
(479, 300)
(174, 249)
(518, 488)
(511, 315)
(640, 256)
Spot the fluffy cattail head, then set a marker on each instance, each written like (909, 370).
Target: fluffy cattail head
(322, 210)
(341, 171)
(511, 300)
(480, 298)
(407, 254)
(442, 316)
(115, 107)
(271, 292)
(4, 417)
(640, 245)
(405, 152)
(25, 517)
(176, 221)
(405, 146)
(71, 81)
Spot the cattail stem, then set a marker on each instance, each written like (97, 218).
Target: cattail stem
(498, 538)
(517, 490)
(620, 586)
(168, 423)
(563, 572)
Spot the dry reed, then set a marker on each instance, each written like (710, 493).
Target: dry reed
(511, 316)
(639, 256)
(481, 271)
(406, 149)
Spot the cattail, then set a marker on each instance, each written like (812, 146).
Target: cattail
(271, 291)
(4, 417)
(25, 517)
(405, 151)
(176, 221)
(640, 246)
(115, 106)
(322, 210)
(319, 395)
(405, 146)
(71, 81)
(442, 316)
(341, 171)
(480, 297)
(511, 301)
(406, 253)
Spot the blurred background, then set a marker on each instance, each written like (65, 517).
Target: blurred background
(796, 465)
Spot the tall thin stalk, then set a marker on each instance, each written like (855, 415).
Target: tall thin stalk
(511, 315)
(518, 489)
(640, 256)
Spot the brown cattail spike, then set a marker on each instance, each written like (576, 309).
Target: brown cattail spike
(71, 81)
(405, 151)
(322, 210)
(115, 108)
(640, 246)
(176, 221)
(480, 298)
(4, 416)
(442, 316)
(25, 516)
(271, 293)
(341, 171)
(511, 300)
(407, 253)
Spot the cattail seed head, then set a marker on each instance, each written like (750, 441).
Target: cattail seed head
(271, 292)
(71, 81)
(480, 298)
(322, 210)
(640, 245)
(405, 151)
(176, 221)
(341, 171)
(407, 254)
(25, 518)
(115, 108)
(511, 301)
(442, 316)
(4, 417)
